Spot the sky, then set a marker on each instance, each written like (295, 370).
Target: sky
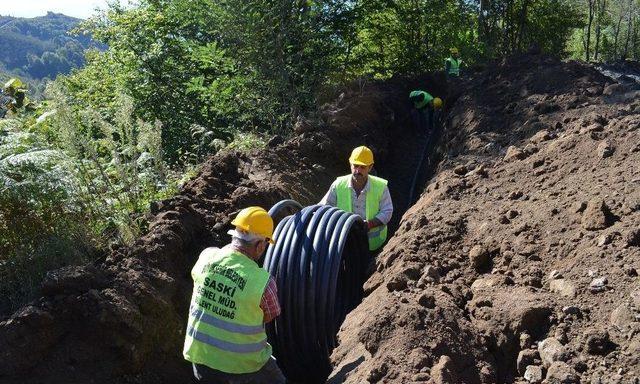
(31, 8)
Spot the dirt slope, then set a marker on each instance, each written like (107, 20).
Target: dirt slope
(524, 248)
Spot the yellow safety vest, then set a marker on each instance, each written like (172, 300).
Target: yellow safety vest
(225, 330)
(454, 66)
(377, 235)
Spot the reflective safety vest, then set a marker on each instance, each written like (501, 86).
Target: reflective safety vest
(454, 66)
(377, 235)
(425, 101)
(225, 330)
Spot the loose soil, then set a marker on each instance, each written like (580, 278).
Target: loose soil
(529, 199)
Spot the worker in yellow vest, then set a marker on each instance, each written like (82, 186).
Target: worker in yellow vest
(425, 107)
(363, 194)
(452, 64)
(233, 297)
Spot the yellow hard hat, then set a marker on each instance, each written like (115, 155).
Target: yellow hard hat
(255, 220)
(453, 50)
(361, 156)
(437, 103)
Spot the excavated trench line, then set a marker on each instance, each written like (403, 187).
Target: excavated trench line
(320, 263)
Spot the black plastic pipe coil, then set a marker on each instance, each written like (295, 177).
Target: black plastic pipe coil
(319, 262)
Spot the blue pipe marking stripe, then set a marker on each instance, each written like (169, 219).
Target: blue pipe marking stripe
(200, 315)
(226, 345)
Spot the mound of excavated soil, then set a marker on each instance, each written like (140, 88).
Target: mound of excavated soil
(122, 319)
(520, 260)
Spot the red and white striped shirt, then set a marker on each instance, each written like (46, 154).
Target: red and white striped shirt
(269, 304)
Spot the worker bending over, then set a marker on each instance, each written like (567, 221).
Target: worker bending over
(233, 297)
(363, 194)
(452, 64)
(424, 106)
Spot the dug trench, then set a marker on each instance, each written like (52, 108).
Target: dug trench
(519, 258)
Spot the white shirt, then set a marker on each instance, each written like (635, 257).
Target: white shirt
(359, 203)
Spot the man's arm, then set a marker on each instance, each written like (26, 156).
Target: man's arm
(269, 303)
(330, 198)
(386, 208)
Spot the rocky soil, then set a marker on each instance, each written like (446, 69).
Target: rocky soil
(519, 262)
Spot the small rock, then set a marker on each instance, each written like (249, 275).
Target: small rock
(541, 136)
(605, 149)
(479, 257)
(613, 89)
(604, 239)
(397, 283)
(481, 170)
(443, 371)
(561, 373)
(595, 215)
(597, 342)
(630, 271)
(525, 340)
(561, 335)
(533, 374)
(426, 300)
(460, 170)
(514, 153)
(530, 149)
(579, 206)
(555, 274)
(622, 318)
(572, 310)
(598, 284)
(563, 287)
(550, 350)
(377, 373)
(515, 195)
(421, 376)
(512, 213)
(632, 238)
(526, 358)
(503, 220)
(430, 275)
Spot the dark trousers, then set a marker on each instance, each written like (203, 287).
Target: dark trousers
(269, 374)
(422, 119)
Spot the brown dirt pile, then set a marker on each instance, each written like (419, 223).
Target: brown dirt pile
(520, 261)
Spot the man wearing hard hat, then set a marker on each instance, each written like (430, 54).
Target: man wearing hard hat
(233, 297)
(452, 64)
(363, 194)
(424, 106)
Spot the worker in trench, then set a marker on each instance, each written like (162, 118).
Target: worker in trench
(425, 112)
(363, 194)
(233, 298)
(452, 64)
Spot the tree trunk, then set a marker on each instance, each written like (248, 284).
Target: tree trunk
(522, 24)
(629, 30)
(617, 34)
(587, 41)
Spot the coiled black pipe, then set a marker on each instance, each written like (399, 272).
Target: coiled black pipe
(319, 262)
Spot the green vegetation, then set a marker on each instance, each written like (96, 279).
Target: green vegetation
(183, 79)
(41, 47)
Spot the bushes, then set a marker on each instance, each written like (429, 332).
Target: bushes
(70, 186)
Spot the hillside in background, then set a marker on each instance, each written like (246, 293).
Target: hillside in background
(41, 47)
